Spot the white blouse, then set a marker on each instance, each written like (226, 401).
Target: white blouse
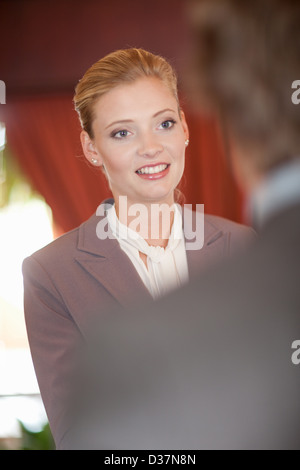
(167, 267)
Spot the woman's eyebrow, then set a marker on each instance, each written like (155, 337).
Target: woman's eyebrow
(164, 111)
(119, 122)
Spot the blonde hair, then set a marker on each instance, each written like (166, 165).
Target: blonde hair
(119, 67)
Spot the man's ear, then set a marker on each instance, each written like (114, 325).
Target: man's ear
(89, 149)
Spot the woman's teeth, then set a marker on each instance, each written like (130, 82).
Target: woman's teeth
(150, 170)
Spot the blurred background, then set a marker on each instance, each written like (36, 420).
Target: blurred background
(46, 186)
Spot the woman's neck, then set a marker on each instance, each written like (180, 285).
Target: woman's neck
(152, 221)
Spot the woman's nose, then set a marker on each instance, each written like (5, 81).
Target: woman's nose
(149, 145)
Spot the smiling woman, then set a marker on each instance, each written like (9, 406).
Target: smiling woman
(134, 129)
(126, 103)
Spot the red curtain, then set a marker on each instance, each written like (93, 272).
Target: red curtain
(208, 175)
(43, 134)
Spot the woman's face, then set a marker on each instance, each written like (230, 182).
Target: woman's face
(139, 137)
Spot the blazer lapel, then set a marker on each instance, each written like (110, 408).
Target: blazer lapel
(108, 264)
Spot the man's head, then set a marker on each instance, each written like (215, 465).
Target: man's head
(247, 55)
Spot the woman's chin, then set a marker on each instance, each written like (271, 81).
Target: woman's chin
(160, 196)
(150, 194)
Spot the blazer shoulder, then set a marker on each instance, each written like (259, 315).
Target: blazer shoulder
(57, 249)
(215, 225)
(238, 235)
(82, 241)
(63, 249)
(226, 225)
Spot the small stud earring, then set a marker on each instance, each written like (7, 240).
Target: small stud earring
(94, 161)
(187, 142)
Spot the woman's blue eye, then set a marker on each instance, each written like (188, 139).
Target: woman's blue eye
(168, 124)
(120, 134)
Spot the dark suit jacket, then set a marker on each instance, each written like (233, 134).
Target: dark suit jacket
(78, 279)
(212, 366)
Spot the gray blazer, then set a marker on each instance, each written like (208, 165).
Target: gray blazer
(66, 281)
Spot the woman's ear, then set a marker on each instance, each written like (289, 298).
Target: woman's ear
(184, 125)
(89, 149)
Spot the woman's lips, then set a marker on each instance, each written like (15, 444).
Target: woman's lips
(152, 172)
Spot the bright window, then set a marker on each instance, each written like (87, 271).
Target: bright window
(25, 226)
